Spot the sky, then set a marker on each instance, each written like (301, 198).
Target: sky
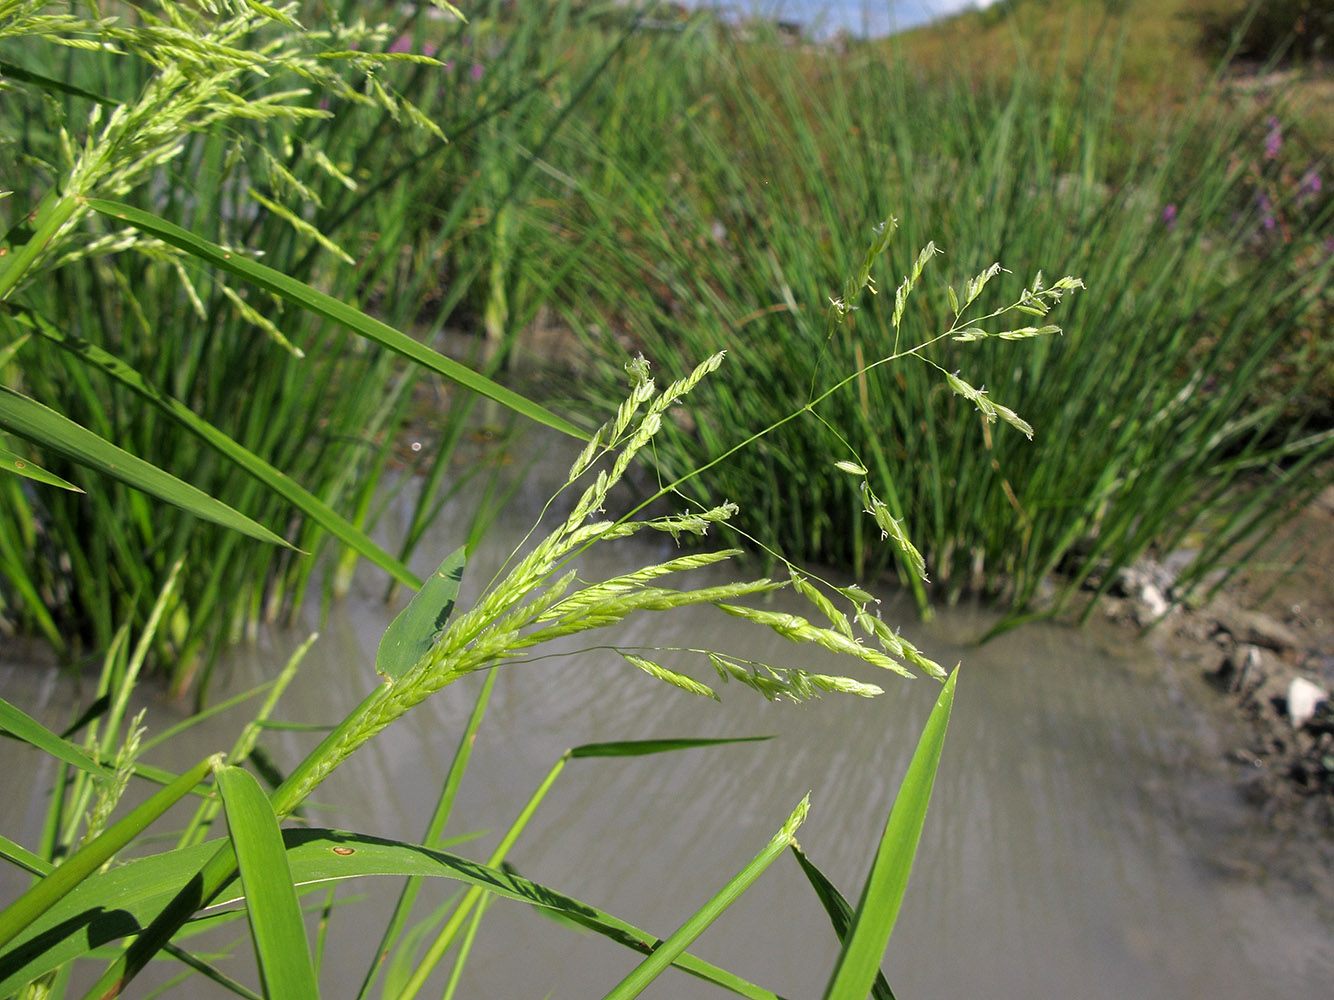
(871, 18)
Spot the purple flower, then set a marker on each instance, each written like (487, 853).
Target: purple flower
(1266, 208)
(403, 43)
(449, 65)
(1310, 185)
(1170, 216)
(476, 72)
(1273, 138)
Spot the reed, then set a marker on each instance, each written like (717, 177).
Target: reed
(1194, 366)
(332, 191)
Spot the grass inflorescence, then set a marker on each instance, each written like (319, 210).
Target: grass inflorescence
(135, 305)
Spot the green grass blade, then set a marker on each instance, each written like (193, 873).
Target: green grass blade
(8, 351)
(17, 854)
(101, 910)
(882, 895)
(276, 926)
(21, 856)
(449, 932)
(11, 462)
(214, 708)
(16, 72)
(291, 491)
(123, 901)
(393, 936)
(84, 862)
(667, 952)
(211, 973)
(839, 912)
(49, 429)
(326, 305)
(642, 748)
(414, 628)
(28, 729)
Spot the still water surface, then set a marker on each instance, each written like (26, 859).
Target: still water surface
(1082, 841)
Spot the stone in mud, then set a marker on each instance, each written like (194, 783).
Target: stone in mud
(1255, 628)
(1242, 668)
(1303, 698)
(1147, 584)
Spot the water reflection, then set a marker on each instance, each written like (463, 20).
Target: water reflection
(1077, 845)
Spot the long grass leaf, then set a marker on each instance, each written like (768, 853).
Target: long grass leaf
(878, 908)
(28, 729)
(12, 462)
(84, 862)
(15, 72)
(123, 901)
(326, 305)
(839, 912)
(276, 926)
(641, 748)
(291, 491)
(49, 429)
(17, 854)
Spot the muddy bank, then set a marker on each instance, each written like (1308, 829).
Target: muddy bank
(1259, 658)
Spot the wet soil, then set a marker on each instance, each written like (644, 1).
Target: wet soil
(1236, 659)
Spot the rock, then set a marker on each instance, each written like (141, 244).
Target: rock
(1241, 668)
(1147, 584)
(1303, 697)
(1326, 499)
(1178, 561)
(1255, 628)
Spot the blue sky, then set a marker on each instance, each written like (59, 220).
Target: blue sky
(862, 17)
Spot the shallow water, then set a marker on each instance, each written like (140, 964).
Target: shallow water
(1082, 841)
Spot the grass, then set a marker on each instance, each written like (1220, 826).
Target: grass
(1194, 366)
(719, 196)
(302, 394)
(90, 284)
(700, 205)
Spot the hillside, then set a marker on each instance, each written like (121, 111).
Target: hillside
(1164, 52)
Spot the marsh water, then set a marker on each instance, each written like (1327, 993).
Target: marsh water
(1085, 838)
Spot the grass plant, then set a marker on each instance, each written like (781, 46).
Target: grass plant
(710, 188)
(1194, 370)
(536, 598)
(326, 187)
(204, 64)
